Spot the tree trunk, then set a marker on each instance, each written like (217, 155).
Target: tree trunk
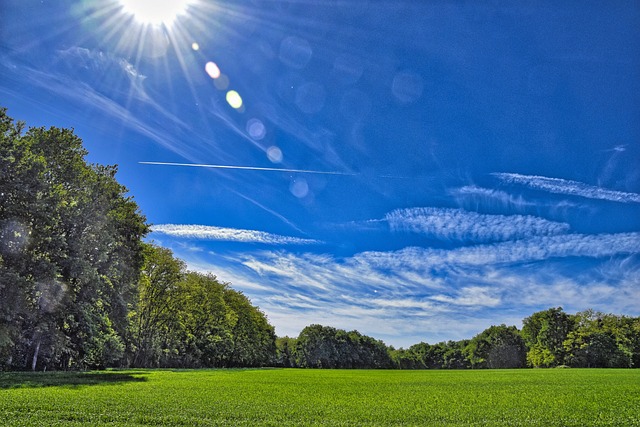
(34, 362)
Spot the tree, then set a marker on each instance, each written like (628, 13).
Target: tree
(254, 339)
(320, 346)
(286, 352)
(544, 333)
(69, 255)
(453, 355)
(206, 321)
(497, 347)
(154, 318)
(598, 341)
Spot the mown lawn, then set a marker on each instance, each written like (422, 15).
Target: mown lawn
(289, 397)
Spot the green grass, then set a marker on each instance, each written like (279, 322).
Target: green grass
(287, 397)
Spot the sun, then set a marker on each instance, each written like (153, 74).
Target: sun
(155, 12)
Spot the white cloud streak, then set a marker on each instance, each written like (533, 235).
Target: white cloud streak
(564, 186)
(519, 251)
(250, 168)
(472, 296)
(480, 195)
(457, 224)
(205, 232)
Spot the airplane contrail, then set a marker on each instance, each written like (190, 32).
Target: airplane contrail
(252, 168)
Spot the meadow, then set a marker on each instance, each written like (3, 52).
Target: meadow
(298, 397)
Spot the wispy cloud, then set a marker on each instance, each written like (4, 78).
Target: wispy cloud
(107, 84)
(474, 196)
(518, 251)
(564, 186)
(417, 294)
(92, 66)
(250, 168)
(472, 296)
(457, 224)
(205, 232)
(269, 210)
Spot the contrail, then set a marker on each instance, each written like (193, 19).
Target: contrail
(251, 168)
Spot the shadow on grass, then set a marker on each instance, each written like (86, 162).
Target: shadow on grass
(65, 379)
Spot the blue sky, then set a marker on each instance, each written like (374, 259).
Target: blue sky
(418, 171)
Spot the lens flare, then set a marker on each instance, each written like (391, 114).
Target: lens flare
(256, 129)
(299, 188)
(212, 69)
(274, 154)
(222, 82)
(234, 99)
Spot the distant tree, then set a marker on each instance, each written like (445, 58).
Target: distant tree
(453, 355)
(443, 355)
(316, 347)
(544, 333)
(404, 359)
(497, 347)
(286, 352)
(320, 346)
(366, 352)
(598, 341)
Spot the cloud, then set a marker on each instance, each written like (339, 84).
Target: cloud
(105, 83)
(519, 251)
(270, 211)
(427, 294)
(457, 224)
(205, 232)
(250, 168)
(472, 296)
(573, 188)
(471, 194)
(103, 71)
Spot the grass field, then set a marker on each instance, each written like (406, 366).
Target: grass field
(288, 397)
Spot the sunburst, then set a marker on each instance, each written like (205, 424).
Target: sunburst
(155, 12)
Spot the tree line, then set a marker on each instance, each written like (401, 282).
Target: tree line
(81, 289)
(548, 338)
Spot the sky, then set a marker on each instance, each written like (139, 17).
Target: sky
(414, 170)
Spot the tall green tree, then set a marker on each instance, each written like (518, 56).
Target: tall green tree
(70, 252)
(155, 316)
(254, 339)
(189, 320)
(207, 321)
(544, 332)
(598, 340)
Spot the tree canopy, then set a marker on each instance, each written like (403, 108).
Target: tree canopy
(70, 255)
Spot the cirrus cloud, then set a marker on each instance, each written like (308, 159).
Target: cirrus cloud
(457, 224)
(565, 186)
(206, 232)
